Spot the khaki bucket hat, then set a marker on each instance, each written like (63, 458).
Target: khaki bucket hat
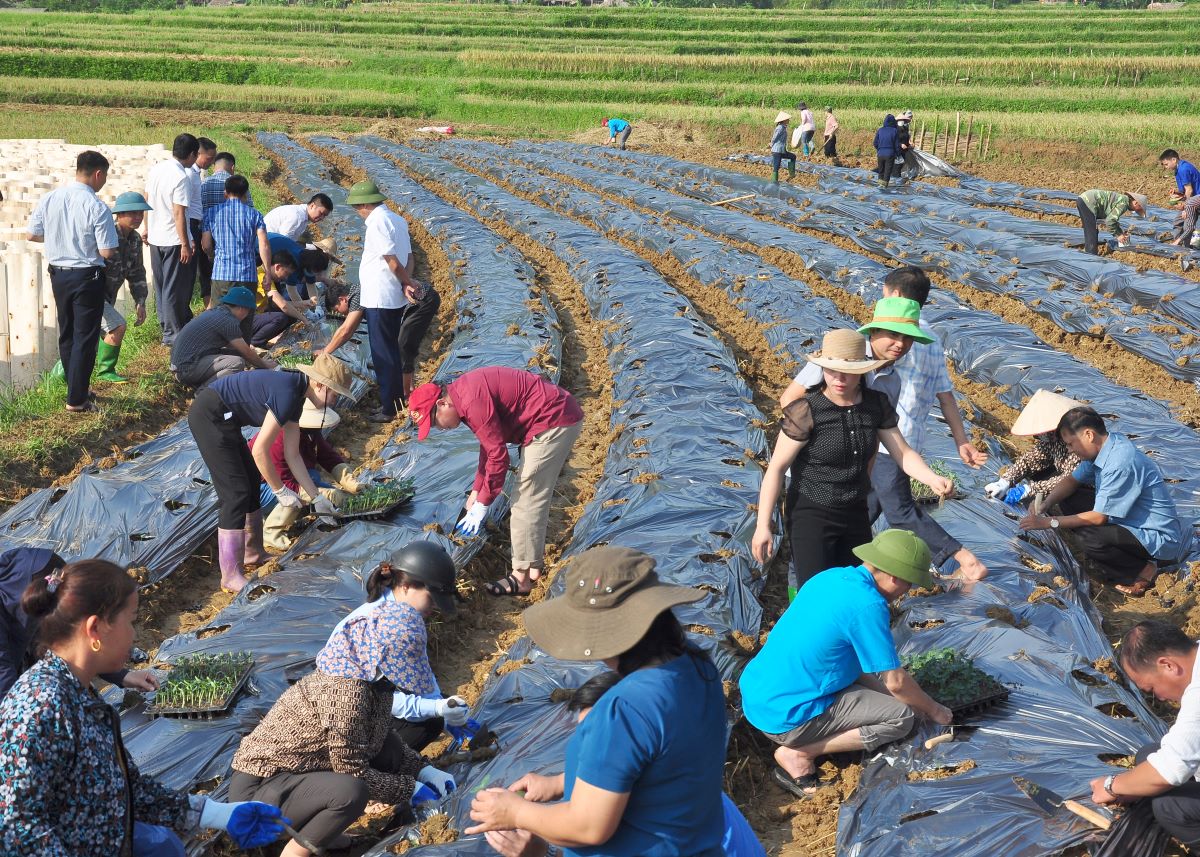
(613, 596)
(364, 192)
(329, 247)
(1042, 413)
(900, 554)
(844, 351)
(313, 417)
(331, 372)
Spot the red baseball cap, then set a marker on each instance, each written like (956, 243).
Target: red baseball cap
(421, 404)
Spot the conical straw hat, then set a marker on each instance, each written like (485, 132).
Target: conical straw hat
(1043, 413)
(783, 117)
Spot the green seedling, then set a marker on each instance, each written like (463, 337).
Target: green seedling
(923, 492)
(203, 681)
(378, 497)
(950, 678)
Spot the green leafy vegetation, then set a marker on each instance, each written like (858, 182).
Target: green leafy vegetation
(378, 497)
(922, 492)
(201, 682)
(950, 678)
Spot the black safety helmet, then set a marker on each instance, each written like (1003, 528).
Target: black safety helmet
(428, 563)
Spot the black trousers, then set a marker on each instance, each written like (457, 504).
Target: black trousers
(891, 495)
(417, 319)
(173, 285)
(778, 158)
(1115, 550)
(231, 468)
(1091, 233)
(884, 165)
(267, 325)
(830, 149)
(204, 262)
(418, 734)
(1178, 810)
(320, 805)
(79, 302)
(823, 537)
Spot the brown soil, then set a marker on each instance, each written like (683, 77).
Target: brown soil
(435, 830)
(941, 773)
(1105, 667)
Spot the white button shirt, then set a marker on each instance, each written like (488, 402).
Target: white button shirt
(167, 185)
(1177, 758)
(386, 235)
(289, 220)
(195, 200)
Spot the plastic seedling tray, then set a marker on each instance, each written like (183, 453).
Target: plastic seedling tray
(201, 687)
(954, 681)
(978, 706)
(377, 500)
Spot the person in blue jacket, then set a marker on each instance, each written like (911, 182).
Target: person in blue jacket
(887, 143)
(618, 131)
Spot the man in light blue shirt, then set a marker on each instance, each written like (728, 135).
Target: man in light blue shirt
(78, 231)
(1133, 526)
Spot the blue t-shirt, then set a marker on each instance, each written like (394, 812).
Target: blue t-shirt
(1185, 174)
(659, 735)
(281, 243)
(739, 840)
(837, 629)
(249, 395)
(616, 126)
(1131, 491)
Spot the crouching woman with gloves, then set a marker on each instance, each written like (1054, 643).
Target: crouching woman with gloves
(67, 786)
(404, 592)
(327, 746)
(318, 454)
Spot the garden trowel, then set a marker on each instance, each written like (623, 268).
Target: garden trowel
(1050, 802)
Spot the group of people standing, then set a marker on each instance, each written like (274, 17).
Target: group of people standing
(801, 138)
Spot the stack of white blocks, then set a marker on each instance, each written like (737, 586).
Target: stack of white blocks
(29, 169)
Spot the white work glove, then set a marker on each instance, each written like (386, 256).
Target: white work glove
(454, 715)
(315, 315)
(472, 521)
(995, 489)
(322, 505)
(288, 498)
(439, 781)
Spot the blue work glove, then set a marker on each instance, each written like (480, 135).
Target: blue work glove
(441, 782)
(472, 521)
(464, 733)
(423, 794)
(249, 823)
(1016, 495)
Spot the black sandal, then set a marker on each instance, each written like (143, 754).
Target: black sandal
(802, 787)
(506, 586)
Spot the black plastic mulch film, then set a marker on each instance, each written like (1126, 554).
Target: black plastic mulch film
(1053, 726)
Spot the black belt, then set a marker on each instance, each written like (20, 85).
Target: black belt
(55, 269)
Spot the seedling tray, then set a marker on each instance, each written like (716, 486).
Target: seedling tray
(377, 501)
(955, 681)
(978, 706)
(228, 671)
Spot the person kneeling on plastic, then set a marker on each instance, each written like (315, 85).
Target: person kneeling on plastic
(67, 786)
(405, 592)
(318, 454)
(643, 771)
(327, 746)
(829, 679)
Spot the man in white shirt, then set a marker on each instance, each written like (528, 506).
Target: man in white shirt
(78, 231)
(172, 260)
(205, 156)
(398, 308)
(1160, 659)
(294, 220)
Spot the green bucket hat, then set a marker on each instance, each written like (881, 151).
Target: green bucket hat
(899, 315)
(131, 200)
(900, 554)
(364, 192)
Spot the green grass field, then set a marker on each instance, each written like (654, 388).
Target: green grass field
(1058, 73)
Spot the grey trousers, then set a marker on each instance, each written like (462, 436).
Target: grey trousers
(1177, 811)
(879, 717)
(208, 369)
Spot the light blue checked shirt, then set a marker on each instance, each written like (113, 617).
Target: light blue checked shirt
(76, 226)
(922, 376)
(212, 190)
(235, 227)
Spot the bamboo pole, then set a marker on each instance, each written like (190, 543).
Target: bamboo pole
(987, 144)
(921, 135)
(933, 151)
(967, 147)
(957, 128)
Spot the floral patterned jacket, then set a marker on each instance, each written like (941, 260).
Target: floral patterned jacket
(67, 787)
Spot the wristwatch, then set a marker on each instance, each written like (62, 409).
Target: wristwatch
(1108, 784)
(1054, 523)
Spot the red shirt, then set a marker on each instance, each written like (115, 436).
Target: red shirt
(503, 406)
(314, 449)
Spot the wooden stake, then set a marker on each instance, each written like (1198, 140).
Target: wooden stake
(957, 126)
(933, 151)
(734, 199)
(921, 135)
(987, 144)
(967, 147)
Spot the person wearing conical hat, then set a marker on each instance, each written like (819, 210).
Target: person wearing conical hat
(399, 309)
(827, 441)
(779, 149)
(1040, 468)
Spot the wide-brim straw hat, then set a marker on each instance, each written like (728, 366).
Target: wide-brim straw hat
(612, 597)
(329, 247)
(1140, 199)
(900, 554)
(1043, 413)
(363, 193)
(313, 417)
(783, 117)
(844, 351)
(331, 372)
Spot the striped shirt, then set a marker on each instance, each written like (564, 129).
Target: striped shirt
(212, 190)
(76, 226)
(234, 227)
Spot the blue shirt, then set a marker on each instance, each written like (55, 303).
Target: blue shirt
(76, 226)
(658, 735)
(212, 190)
(1131, 492)
(235, 227)
(837, 629)
(1185, 174)
(616, 126)
(282, 244)
(250, 395)
(739, 840)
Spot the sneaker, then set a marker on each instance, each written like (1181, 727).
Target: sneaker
(380, 417)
